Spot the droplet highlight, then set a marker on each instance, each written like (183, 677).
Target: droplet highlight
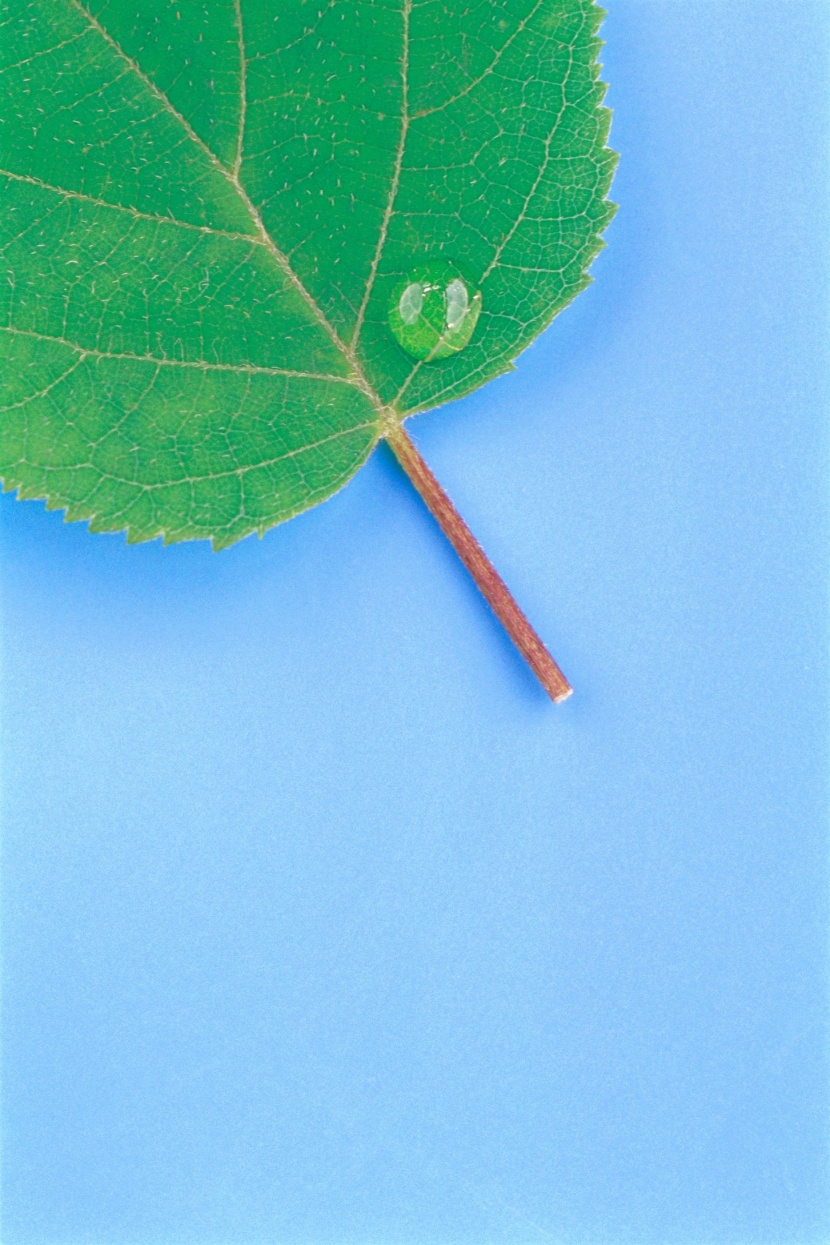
(433, 311)
(411, 302)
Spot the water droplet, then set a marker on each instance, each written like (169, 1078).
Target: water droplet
(433, 311)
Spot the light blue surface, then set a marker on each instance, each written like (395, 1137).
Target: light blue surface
(321, 924)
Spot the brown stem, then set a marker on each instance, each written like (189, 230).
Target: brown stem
(489, 581)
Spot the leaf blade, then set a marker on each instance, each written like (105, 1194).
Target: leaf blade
(221, 286)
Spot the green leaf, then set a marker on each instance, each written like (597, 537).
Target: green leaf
(212, 209)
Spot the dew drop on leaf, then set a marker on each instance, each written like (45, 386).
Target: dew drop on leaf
(433, 311)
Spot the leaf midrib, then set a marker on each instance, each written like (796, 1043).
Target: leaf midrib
(387, 415)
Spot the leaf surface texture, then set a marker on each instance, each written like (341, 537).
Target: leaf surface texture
(206, 206)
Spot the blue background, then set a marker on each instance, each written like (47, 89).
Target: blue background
(321, 924)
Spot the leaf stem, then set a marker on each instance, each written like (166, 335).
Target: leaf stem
(490, 583)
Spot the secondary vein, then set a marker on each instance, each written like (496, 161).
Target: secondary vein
(396, 176)
(243, 102)
(197, 364)
(130, 211)
(428, 112)
(241, 471)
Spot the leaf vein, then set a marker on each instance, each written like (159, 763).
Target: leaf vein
(243, 94)
(237, 471)
(130, 211)
(428, 112)
(196, 364)
(396, 175)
